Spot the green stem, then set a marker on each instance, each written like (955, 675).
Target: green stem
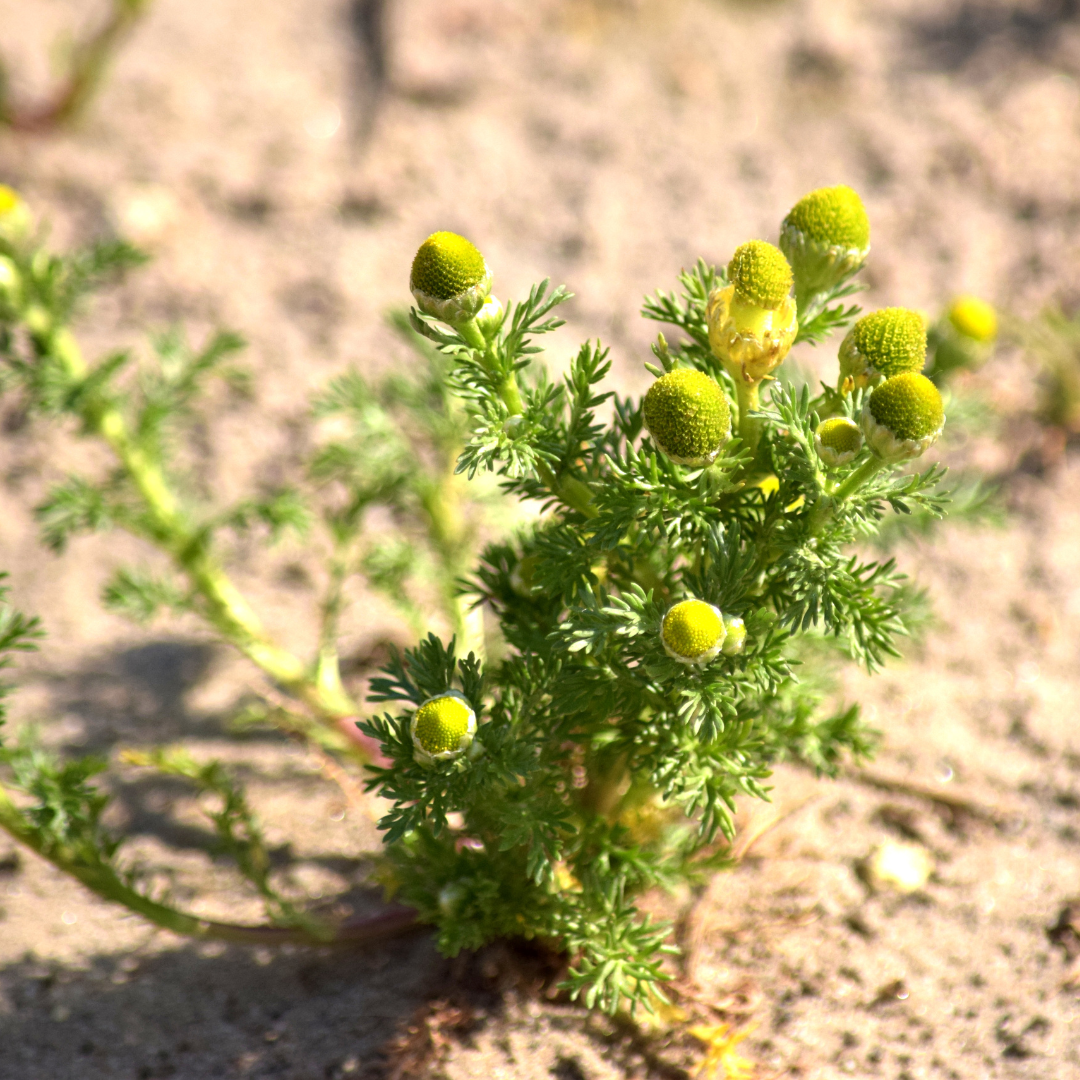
(750, 427)
(569, 491)
(869, 468)
(103, 880)
(508, 387)
(224, 606)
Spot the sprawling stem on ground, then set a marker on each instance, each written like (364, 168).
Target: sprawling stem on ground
(100, 878)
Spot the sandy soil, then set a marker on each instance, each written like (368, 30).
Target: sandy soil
(605, 143)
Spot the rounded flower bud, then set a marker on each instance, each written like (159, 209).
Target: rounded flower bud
(753, 321)
(826, 237)
(693, 632)
(903, 417)
(688, 416)
(490, 317)
(974, 318)
(442, 728)
(838, 440)
(449, 280)
(734, 635)
(883, 344)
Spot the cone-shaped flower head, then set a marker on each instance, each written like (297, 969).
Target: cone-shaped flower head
(449, 278)
(974, 318)
(442, 728)
(903, 417)
(838, 440)
(693, 632)
(826, 237)
(734, 635)
(883, 344)
(753, 320)
(688, 416)
(761, 275)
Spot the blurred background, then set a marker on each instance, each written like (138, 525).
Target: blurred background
(282, 161)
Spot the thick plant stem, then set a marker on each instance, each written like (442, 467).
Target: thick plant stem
(103, 880)
(569, 491)
(750, 427)
(223, 605)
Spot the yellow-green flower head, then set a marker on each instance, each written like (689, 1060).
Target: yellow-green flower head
(688, 416)
(903, 417)
(883, 344)
(753, 321)
(449, 278)
(734, 635)
(826, 237)
(442, 728)
(693, 632)
(838, 440)
(834, 216)
(761, 275)
(974, 318)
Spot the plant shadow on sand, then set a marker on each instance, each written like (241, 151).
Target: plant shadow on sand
(205, 1011)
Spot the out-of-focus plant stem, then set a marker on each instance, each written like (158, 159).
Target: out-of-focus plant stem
(88, 64)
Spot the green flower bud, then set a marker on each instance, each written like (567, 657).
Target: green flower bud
(442, 728)
(734, 635)
(903, 417)
(449, 278)
(490, 317)
(753, 321)
(693, 632)
(974, 318)
(826, 237)
(688, 416)
(883, 344)
(838, 440)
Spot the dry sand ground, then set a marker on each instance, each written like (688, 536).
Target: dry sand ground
(606, 143)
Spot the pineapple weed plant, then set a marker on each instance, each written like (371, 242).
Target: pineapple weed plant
(662, 624)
